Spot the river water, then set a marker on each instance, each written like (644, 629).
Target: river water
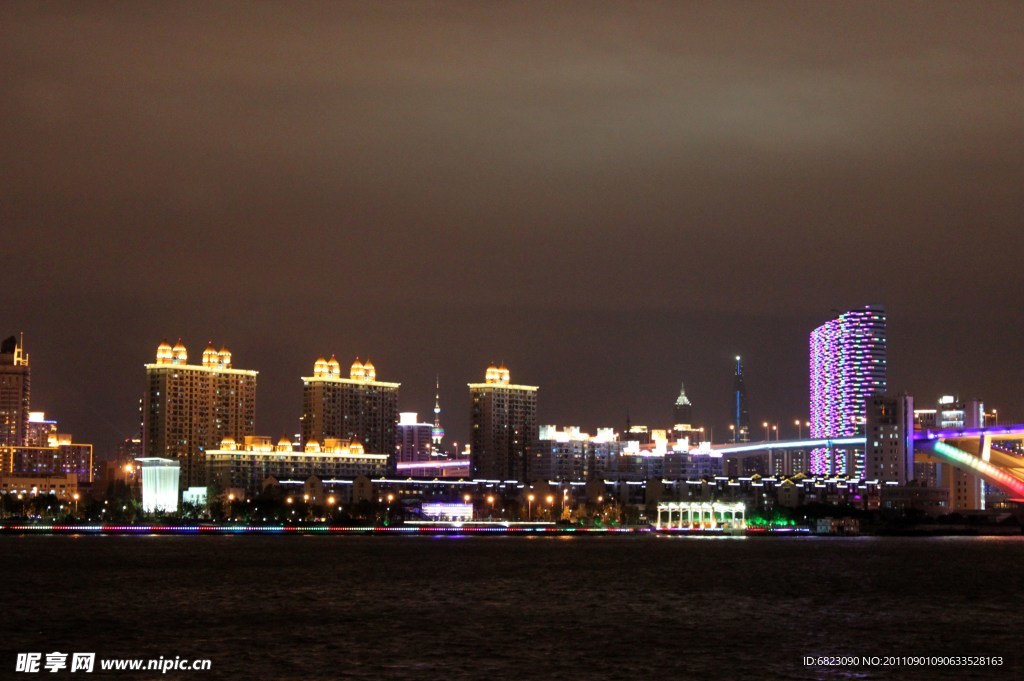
(587, 608)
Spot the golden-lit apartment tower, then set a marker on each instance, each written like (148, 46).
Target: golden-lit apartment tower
(189, 408)
(15, 391)
(358, 408)
(504, 426)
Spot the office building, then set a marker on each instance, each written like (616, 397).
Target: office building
(414, 439)
(48, 452)
(59, 457)
(847, 368)
(190, 408)
(15, 391)
(40, 429)
(358, 408)
(503, 419)
(889, 453)
(965, 491)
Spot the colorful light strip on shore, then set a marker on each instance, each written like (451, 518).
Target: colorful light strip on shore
(312, 529)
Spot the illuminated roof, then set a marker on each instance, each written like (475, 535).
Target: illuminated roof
(501, 386)
(215, 368)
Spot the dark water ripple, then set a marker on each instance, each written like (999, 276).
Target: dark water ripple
(587, 608)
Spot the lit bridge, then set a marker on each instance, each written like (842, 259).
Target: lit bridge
(969, 449)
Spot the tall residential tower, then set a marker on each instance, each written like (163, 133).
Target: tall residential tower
(504, 426)
(15, 391)
(358, 408)
(189, 408)
(847, 369)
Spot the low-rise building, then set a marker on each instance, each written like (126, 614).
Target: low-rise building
(247, 464)
(61, 485)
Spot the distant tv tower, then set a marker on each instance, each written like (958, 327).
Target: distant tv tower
(740, 416)
(437, 432)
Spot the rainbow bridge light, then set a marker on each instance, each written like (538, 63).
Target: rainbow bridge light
(985, 470)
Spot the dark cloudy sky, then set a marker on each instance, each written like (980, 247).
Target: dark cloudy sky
(610, 197)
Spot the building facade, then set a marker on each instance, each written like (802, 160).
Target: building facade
(61, 457)
(889, 431)
(15, 393)
(964, 491)
(503, 419)
(358, 408)
(848, 366)
(40, 429)
(246, 465)
(415, 440)
(189, 408)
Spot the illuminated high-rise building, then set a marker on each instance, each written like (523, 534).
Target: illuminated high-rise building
(504, 426)
(358, 408)
(189, 408)
(847, 368)
(740, 417)
(682, 411)
(15, 391)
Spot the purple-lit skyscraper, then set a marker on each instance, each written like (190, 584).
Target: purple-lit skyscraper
(848, 366)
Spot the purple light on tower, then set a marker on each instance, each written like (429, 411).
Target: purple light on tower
(848, 365)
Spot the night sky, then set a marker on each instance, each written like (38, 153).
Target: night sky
(612, 198)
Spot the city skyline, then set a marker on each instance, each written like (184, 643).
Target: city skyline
(455, 424)
(624, 333)
(611, 215)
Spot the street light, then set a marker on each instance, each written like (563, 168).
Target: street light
(732, 428)
(775, 429)
(75, 496)
(799, 431)
(529, 507)
(765, 424)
